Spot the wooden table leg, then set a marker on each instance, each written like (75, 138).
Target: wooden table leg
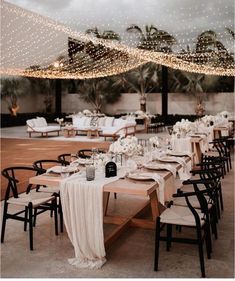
(154, 205)
(105, 202)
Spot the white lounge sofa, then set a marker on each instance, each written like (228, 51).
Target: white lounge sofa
(39, 125)
(109, 126)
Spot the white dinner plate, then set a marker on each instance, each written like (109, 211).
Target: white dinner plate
(139, 176)
(177, 153)
(85, 161)
(155, 166)
(167, 159)
(58, 169)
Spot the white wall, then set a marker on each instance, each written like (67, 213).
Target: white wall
(129, 102)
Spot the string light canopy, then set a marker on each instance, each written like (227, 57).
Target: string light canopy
(37, 46)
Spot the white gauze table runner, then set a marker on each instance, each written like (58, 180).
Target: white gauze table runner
(82, 203)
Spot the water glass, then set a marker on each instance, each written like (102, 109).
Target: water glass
(90, 172)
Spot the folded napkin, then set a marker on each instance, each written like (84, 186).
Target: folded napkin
(171, 152)
(184, 171)
(161, 185)
(167, 167)
(55, 169)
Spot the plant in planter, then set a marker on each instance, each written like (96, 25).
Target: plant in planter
(142, 80)
(11, 90)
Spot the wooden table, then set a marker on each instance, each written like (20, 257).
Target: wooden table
(218, 131)
(146, 189)
(196, 149)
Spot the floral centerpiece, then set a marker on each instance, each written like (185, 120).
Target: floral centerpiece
(224, 114)
(59, 120)
(154, 141)
(183, 127)
(208, 120)
(87, 112)
(127, 146)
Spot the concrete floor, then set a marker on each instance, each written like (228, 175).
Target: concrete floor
(131, 256)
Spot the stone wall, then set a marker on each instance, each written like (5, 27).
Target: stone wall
(129, 102)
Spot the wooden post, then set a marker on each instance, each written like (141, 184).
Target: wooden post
(164, 92)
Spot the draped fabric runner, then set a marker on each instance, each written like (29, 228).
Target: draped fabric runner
(82, 203)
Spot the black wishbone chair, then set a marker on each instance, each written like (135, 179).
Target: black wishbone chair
(212, 171)
(28, 201)
(224, 151)
(186, 216)
(41, 166)
(64, 158)
(210, 196)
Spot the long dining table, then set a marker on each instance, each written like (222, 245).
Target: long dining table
(144, 188)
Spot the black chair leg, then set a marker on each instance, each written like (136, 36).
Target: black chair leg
(55, 215)
(221, 198)
(35, 216)
(213, 223)
(25, 218)
(4, 221)
(208, 240)
(115, 195)
(61, 216)
(30, 208)
(169, 236)
(157, 242)
(200, 249)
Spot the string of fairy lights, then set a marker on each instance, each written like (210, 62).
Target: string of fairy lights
(36, 46)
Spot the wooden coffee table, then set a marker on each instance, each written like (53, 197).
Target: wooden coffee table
(91, 132)
(69, 132)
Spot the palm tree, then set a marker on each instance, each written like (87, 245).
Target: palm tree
(106, 34)
(215, 52)
(231, 32)
(98, 92)
(142, 80)
(156, 40)
(153, 39)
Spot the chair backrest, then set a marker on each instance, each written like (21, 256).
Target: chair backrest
(87, 153)
(15, 176)
(64, 158)
(200, 194)
(42, 165)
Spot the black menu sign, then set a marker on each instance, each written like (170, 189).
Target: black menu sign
(110, 169)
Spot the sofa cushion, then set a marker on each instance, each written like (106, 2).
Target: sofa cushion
(101, 122)
(87, 121)
(45, 129)
(30, 123)
(108, 121)
(119, 123)
(78, 121)
(40, 122)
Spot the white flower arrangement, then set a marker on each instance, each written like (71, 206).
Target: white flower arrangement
(208, 120)
(87, 112)
(183, 127)
(224, 114)
(59, 120)
(128, 146)
(154, 141)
